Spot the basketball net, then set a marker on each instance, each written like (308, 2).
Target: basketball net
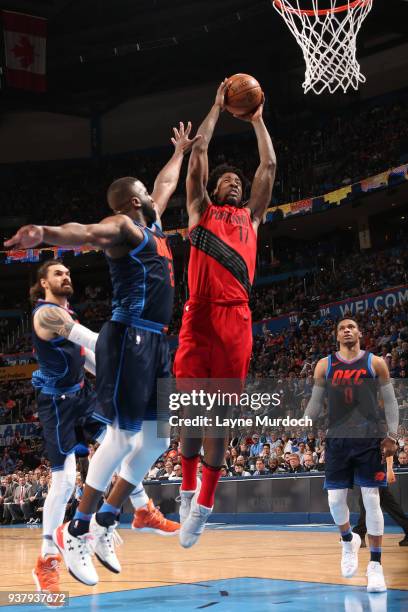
(327, 38)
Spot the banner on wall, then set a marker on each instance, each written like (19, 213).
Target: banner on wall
(18, 372)
(352, 306)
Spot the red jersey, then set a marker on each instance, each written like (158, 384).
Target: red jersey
(223, 255)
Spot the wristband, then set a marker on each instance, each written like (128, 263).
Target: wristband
(83, 336)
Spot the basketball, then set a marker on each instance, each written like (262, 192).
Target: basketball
(244, 94)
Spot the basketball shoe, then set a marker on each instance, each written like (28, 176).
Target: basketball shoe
(46, 577)
(185, 501)
(103, 544)
(151, 520)
(375, 578)
(349, 557)
(76, 552)
(194, 525)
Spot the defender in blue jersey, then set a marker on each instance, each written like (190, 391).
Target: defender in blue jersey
(131, 352)
(357, 440)
(65, 402)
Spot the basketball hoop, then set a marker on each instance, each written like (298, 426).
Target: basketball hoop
(327, 37)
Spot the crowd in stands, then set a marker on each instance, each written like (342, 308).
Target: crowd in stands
(17, 402)
(23, 488)
(313, 158)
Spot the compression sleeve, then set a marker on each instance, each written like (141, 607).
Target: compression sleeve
(83, 336)
(315, 405)
(390, 407)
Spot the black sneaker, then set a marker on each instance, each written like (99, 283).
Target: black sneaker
(404, 542)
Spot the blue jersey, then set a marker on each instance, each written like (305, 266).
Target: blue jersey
(143, 282)
(61, 361)
(353, 407)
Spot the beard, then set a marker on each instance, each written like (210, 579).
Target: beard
(229, 200)
(62, 291)
(149, 212)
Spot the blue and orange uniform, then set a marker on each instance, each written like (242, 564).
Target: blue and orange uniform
(132, 350)
(216, 334)
(65, 400)
(356, 424)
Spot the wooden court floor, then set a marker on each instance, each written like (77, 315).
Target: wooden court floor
(150, 560)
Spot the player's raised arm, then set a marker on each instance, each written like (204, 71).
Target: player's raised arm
(167, 179)
(110, 232)
(262, 185)
(389, 444)
(315, 405)
(197, 174)
(52, 322)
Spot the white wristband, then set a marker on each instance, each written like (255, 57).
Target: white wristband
(83, 336)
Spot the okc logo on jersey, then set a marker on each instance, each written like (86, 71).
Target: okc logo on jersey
(163, 248)
(348, 377)
(164, 251)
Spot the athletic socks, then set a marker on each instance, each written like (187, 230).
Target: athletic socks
(210, 478)
(48, 547)
(347, 535)
(79, 524)
(189, 470)
(375, 554)
(138, 497)
(107, 515)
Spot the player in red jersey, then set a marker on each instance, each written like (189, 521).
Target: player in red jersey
(215, 340)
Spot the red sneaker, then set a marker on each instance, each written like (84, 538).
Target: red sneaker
(46, 578)
(151, 520)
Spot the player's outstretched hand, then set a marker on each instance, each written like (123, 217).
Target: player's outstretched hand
(220, 97)
(255, 115)
(27, 237)
(182, 143)
(388, 447)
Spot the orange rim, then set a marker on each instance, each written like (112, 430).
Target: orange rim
(311, 13)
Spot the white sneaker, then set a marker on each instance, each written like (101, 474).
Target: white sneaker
(185, 501)
(194, 524)
(349, 557)
(103, 544)
(76, 552)
(375, 578)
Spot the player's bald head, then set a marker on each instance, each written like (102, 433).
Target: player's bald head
(121, 192)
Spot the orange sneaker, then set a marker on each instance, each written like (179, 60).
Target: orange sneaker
(46, 577)
(151, 520)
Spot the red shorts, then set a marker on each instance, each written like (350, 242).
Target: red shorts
(215, 341)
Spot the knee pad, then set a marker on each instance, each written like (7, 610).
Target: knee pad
(140, 460)
(338, 506)
(374, 514)
(116, 445)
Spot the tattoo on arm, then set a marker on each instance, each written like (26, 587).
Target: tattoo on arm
(55, 320)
